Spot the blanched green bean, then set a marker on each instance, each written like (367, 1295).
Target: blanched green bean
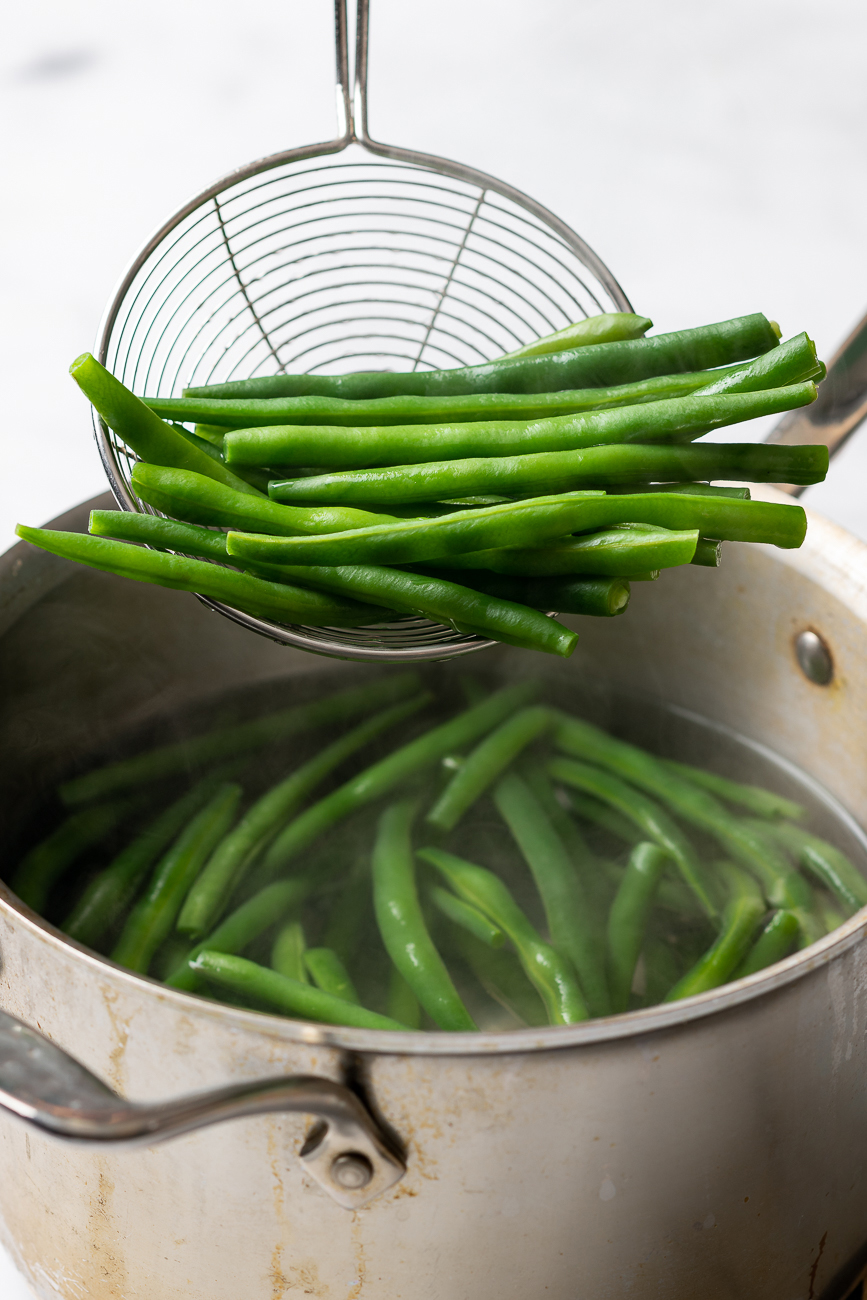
(486, 763)
(776, 941)
(164, 534)
(469, 918)
(608, 327)
(707, 552)
(402, 925)
(289, 996)
(329, 973)
(41, 868)
(752, 797)
(614, 552)
(742, 914)
(826, 863)
(287, 953)
(792, 361)
(549, 972)
(602, 814)
(627, 920)
(592, 597)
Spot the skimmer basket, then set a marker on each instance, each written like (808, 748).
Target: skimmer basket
(346, 255)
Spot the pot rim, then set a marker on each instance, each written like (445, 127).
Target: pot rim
(388, 1042)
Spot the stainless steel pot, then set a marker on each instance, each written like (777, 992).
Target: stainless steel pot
(711, 1148)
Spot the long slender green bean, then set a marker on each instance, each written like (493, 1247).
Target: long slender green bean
(235, 854)
(571, 924)
(543, 473)
(257, 478)
(792, 361)
(257, 596)
(287, 953)
(604, 815)
(627, 920)
(689, 489)
(44, 864)
(153, 917)
(825, 862)
(591, 871)
(399, 766)
(486, 763)
(109, 894)
(329, 973)
(742, 914)
(613, 552)
(242, 926)
(594, 366)
(549, 972)
(752, 797)
(469, 918)
(402, 925)
(527, 523)
(608, 327)
(291, 997)
(148, 436)
(230, 741)
(776, 941)
(592, 597)
(503, 978)
(403, 1005)
(164, 534)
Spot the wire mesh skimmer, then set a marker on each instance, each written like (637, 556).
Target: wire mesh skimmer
(346, 255)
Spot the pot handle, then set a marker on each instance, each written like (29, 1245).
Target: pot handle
(347, 1153)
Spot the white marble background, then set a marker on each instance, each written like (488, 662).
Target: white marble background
(715, 155)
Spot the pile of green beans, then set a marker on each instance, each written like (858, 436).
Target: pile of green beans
(438, 854)
(345, 500)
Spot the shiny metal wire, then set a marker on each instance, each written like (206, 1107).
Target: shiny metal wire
(346, 255)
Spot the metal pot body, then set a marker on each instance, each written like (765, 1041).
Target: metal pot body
(714, 1148)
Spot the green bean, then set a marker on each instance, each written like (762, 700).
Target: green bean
(708, 552)
(501, 975)
(329, 973)
(613, 552)
(548, 971)
(469, 918)
(548, 472)
(570, 923)
(347, 916)
(403, 1005)
(608, 327)
(235, 854)
(152, 918)
(402, 925)
(752, 797)
(653, 822)
(775, 942)
(229, 741)
(742, 914)
(792, 361)
(829, 866)
(486, 763)
(527, 523)
(291, 997)
(688, 489)
(257, 596)
(257, 478)
(590, 870)
(338, 447)
(593, 366)
(109, 894)
(287, 953)
(44, 864)
(242, 926)
(830, 916)
(602, 814)
(592, 597)
(442, 601)
(380, 779)
(164, 534)
(627, 920)
(148, 436)
(212, 433)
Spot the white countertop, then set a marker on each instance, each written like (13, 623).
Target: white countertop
(715, 156)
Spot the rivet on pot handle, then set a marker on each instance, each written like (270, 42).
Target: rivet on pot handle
(346, 1153)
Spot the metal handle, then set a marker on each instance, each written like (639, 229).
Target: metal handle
(347, 1152)
(352, 104)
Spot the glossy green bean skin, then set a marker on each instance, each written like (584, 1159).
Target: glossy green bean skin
(528, 523)
(277, 601)
(550, 974)
(242, 926)
(776, 941)
(467, 917)
(108, 895)
(601, 364)
(259, 412)
(545, 473)
(826, 863)
(291, 997)
(789, 363)
(153, 917)
(257, 478)
(164, 534)
(329, 973)
(653, 822)
(233, 857)
(608, 327)
(627, 920)
(44, 864)
(742, 914)
(570, 922)
(612, 552)
(338, 447)
(764, 803)
(591, 597)
(402, 925)
(382, 777)
(689, 489)
(230, 741)
(486, 763)
(199, 500)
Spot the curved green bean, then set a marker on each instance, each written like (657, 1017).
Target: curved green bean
(741, 916)
(594, 366)
(44, 864)
(548, 971)
(329, 973)
(592, 597)
(752, 797)
(612, 552)
(776, 941)
(608, 327)
(825, 862)
(402, 925)
(486, 763)
(571, 924)
(627, 920)
(467, 917)
(235, 854)
(397, 767)
(152, 918)
(289, 996)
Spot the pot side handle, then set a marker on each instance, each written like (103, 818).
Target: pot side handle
(347, 1152)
